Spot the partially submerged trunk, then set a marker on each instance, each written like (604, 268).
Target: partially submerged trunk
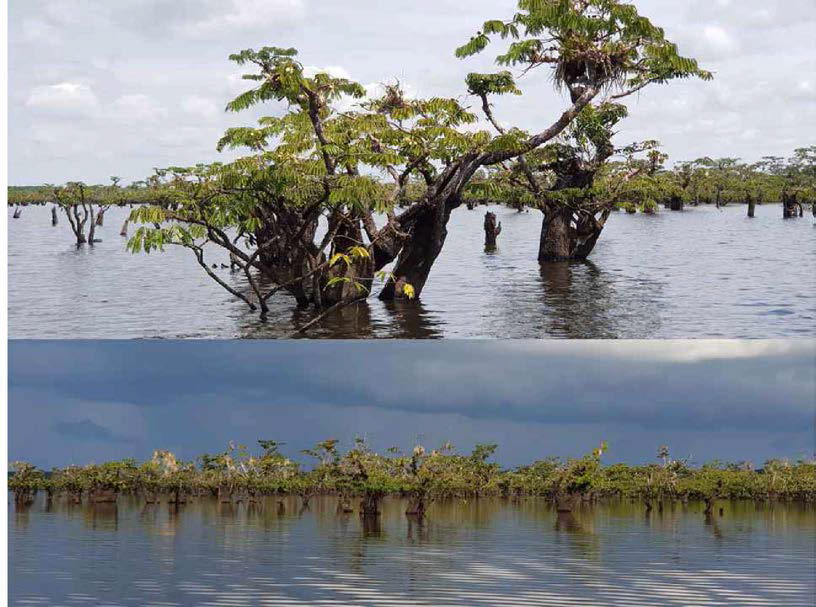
(54, 216)
(416, 507)
(419, 253)
(370, 504)
(568, 236)
(676, 203)
(104, 496)
(751, 206)
(791, 207)
(343, 505)
(225, 494)
(24, 497)
(492, 230)
(569, 231)
(17, 212)
(565, 502)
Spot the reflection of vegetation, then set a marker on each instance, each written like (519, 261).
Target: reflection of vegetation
(421, 476)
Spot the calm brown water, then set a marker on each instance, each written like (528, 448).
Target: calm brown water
(701, 273)
(483, 552)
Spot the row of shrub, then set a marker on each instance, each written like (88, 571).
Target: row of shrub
(421, 475)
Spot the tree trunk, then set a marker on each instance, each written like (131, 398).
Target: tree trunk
(356, 277)
(416, 507)
(555, 243)
(54, 216)
(751, 206)
(370, 504)
(565, 502)
(17, 212)
(224, 494)
(104, 496)
(124, 231)
(790, 206)
(676, 203)
(492, 231)
(100, 218)
(418, 253)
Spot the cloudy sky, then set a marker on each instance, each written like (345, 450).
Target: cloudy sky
(100, 88)
(92, 401)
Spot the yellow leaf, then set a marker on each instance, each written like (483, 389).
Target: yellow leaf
(337, 257)
(408, 291)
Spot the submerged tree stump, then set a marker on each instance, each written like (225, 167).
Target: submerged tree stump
(54, 216)
(370, 505)
(416, 508)
(790, 206)
(104, 496)
(676, 203)
(565, 503)
(17, 212)
(492, 230)
(751, 206)
(224, 494)
(123, 231)
(100, 218)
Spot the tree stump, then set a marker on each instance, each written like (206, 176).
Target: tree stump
(17, 212)
(104, 496)
(676, 203)
(54, 216)
(123, 231)
(492, 230)
(224, 494)
(751, 207)
(790, 206)
(416, 507)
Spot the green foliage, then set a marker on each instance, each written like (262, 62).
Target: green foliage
(600, 43)
(425, 475)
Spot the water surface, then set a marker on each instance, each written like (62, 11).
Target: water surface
(481, 552)
(702, 273)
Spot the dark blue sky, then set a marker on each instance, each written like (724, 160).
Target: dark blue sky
(83, 401)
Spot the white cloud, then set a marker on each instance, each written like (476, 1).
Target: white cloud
(805, 90)
(242, 15)
(719, 39)
(173, 52)
(40, 32)
(200, 107)
(136, 109)
(334, 71)
(64, 97)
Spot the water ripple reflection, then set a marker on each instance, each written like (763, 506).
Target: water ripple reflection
(483, 552)
(700, 273)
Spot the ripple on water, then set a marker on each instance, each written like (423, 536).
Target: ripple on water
(671, 275)
(488, 553)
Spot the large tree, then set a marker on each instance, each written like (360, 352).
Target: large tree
(600, 51)
(305, 209)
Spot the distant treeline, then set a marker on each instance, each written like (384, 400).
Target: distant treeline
(139, 192)
(717, 181)
(421, 476)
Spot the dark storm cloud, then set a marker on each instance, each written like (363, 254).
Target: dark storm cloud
(531, 397)
(87, 430)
